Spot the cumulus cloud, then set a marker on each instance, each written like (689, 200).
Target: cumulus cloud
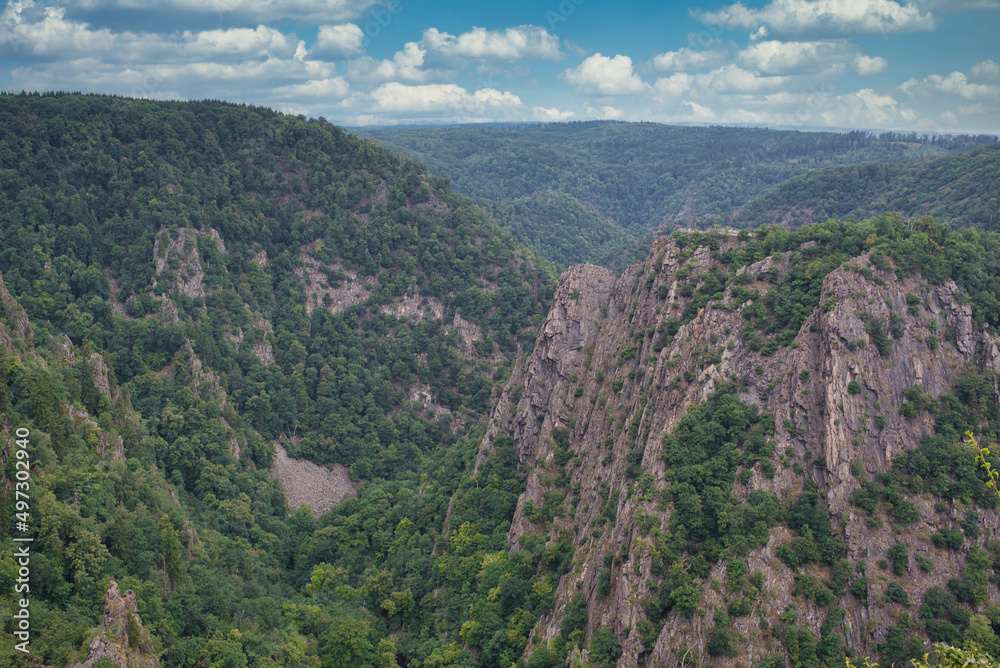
(823, 17)
(48, 35)
(445, 101)
(684, 59)
(673, 86)
(406, 65)
(600, 75)
(267, 11)
(954, 84)
(340, 41)
(438, 55)
(550, 115)
(775, 57)
(518, 43)
(329, 88)
(986, 69)
(868, 108)
(867, 66)
(735, 79)
(605, 112)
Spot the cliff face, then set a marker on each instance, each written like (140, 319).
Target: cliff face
(120, 638)
(598, 372)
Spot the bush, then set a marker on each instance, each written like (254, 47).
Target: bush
(897, 594)
(859, 589)
(721, 643)
(854, 387)
(575, 618)
(950, 538)
(899, 558)
(604, 649)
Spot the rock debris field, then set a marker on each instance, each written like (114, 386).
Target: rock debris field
(309, 484)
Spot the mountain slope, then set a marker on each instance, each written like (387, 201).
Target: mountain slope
(190, 286)
(746, 449)
(959, 188)
(642, 177)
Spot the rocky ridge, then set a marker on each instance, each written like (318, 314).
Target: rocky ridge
(578, 380)
(121, 638)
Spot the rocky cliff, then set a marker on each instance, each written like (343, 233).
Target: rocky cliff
(121, 638)
(606, 373)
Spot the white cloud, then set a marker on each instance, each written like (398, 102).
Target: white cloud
(673, 86)
(688, 59)
(868, 66)
(519, 43)
(867, 108)
(439, 55)
(600, 75)
(735, 79)
(775, 57)
(343, 40)
(986, 69)
(954, 84)
(48, 35)
(975, 109)
(446, 101)
(406, 65)
(604, 112)
(330, 88)
(235, 43)
(550, 115)
(954, 6)
(310, 11)
(823, 17)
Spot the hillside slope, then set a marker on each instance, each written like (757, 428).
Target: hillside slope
(190, 287)
(641, 177)
(958, 188)
(746, 449)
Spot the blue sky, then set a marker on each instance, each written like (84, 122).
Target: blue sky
(874, 64)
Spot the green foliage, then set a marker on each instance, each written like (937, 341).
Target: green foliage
(604, 649)
(707, 521)
(942, 186)
(721, 642)
(574, 619)
(896, 594)
(899, 557)
(639, 175)
(262, 206)
(854, 387)
(875, 328)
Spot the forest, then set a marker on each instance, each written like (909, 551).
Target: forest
(958, 188)
(647, 178)
(187, 284)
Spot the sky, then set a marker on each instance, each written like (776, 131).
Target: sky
(928, 65)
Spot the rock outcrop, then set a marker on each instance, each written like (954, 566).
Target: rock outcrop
(600, 372)
(120, 638)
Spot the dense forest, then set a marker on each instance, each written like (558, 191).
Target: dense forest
(958, 188)
(187, 285)
(641, 177)
(187, 256)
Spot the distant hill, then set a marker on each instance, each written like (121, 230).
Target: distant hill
(961, 189)
(640, 177)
